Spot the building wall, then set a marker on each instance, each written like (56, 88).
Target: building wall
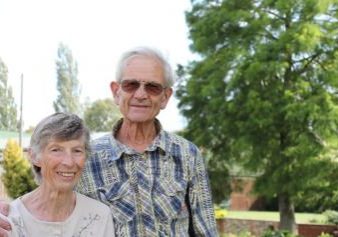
(242, 197)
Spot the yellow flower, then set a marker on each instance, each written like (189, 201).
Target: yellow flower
(220, 213)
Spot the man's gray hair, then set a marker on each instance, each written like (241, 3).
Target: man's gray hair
(148, 52)
(59, 127)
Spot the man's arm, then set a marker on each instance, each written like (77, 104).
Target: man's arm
(203, 221)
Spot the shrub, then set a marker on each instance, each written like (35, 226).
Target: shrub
(331, 217)
(325, 235)
(241, 234)
(17, 177)
(278, 233)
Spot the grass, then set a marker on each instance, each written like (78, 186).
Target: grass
(301, 218)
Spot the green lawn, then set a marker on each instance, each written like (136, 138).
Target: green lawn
(301, 218)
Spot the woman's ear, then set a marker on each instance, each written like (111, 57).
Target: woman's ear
(33, 157)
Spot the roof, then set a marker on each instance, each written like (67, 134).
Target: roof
(7, 135)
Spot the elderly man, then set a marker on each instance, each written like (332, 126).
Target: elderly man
(155, 182)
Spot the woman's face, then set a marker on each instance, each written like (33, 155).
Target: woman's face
(61, 163)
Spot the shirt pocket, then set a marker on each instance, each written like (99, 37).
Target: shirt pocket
(121, 201)
(169, 200)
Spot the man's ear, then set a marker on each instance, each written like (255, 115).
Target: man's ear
(167, 94)
(114, 87)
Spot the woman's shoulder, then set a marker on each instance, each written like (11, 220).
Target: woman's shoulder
(15, 206)
(91, 204)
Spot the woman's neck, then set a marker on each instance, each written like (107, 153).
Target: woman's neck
(47, 205)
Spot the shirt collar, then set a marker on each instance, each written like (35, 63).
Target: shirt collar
(160, 141)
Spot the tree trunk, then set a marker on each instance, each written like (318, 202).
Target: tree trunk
(286, 214)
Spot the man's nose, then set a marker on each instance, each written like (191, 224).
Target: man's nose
(141, 92)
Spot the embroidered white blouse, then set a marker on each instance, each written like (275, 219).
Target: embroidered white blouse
(89, 218)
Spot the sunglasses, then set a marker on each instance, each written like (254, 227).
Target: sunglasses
(152, 88)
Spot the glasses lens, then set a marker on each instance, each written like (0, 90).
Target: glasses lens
(130, 85)
(153, 88)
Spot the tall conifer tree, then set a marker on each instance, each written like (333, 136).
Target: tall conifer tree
(68, 98)
(8, 113)
(264, 90)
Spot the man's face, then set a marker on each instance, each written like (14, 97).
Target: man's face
(139, 105)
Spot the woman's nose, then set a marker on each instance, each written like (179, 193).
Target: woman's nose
(67, 158)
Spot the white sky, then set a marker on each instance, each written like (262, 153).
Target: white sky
(97, 32)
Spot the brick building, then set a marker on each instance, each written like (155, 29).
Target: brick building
(242, 198)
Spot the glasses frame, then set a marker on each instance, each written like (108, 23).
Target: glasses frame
(148, 86)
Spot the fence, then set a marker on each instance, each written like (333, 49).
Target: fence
(257, 227)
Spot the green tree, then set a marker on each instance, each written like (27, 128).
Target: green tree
(321, 196)
(263, 91)
(68, 98)
(17, 177)
(101, 115)
(8, 120)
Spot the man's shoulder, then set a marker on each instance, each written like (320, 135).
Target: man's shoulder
(102, 142)
(102, 137)
(176, 140)
(104, 147)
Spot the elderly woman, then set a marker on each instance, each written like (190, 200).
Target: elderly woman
(58, 150)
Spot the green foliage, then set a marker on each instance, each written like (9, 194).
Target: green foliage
(219, 177)
(17, 177)
(68, 98)
(8, 120)
(219, 181)
(264, 91)
(331, 217)
(241, 234)
(101, 115)
(320, 196)
(277, 233)
(325, 235)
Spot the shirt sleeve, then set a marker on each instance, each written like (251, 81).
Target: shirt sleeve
(202, 221)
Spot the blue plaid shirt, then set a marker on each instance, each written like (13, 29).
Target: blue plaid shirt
(163, 191)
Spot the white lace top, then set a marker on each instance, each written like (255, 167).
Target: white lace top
(89, 218)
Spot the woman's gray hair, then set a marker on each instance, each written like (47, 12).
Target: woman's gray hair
(148, 52)
(59, 127)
